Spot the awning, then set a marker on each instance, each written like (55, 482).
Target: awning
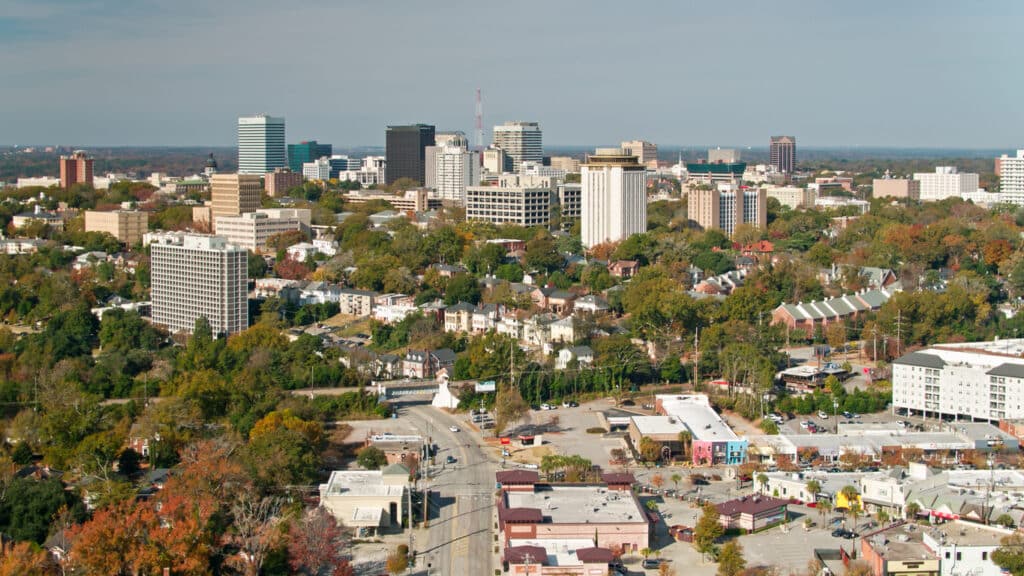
(943, 515)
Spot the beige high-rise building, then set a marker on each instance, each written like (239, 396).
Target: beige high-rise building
(646, 152)
(793, 197)
(127, 226)
(252, 230)
(567, 163)
(234, 194)
(280, 181)
(728, 207)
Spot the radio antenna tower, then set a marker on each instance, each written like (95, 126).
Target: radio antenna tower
(479, 123)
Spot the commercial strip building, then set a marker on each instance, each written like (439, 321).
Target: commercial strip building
(127, 226)
(521, 200)
(251, 230)
(261, 146)
(569, 516)
(712, 442)
(727, 207)
(948, 549)
(752, 513)
(196, 277)
(613, 203)
(367, 500)
(967, 380)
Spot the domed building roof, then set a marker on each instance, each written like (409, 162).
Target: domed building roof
(210, 162)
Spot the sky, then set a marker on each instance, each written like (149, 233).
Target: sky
(908, 73)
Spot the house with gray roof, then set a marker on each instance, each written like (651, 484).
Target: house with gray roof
(807, 316)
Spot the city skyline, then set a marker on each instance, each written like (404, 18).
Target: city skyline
(870, 83)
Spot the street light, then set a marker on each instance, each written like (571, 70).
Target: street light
(835, 408)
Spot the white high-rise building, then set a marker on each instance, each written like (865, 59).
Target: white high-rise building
(196, 276)
(522, 200)
(455, 168)
(1011, 178)
(252, 230)
(319, 169)
(261, 146)
(946, 182)
(521, 141)
(614, 197)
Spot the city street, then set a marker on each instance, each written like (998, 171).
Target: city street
(459, 539)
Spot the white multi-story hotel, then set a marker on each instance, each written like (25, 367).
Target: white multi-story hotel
(196, 276)
(251, 231)
(945, 182)
(613, 197)
(319, 169)
(516, 199)
(261, 145)
(521, 142)
(454, 169)
(976, 380)
(1011, 178)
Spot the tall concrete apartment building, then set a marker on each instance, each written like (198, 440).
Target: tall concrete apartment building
(127, 226)
(613, 197)
(307, 151)
(516, 199)
(521, 142)
(646, 152)
(455, 169)
(727, 207)
(261, 146)
(945, 182)
(75, 169)
(196, 277)
(570, 200)
(234, 194)
(406, 148)
(723, 155)
(782, 153)
(251, 230)
(280, 181)
(494, 160)
(1011, 178)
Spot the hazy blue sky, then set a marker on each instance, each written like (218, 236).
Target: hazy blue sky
(178, 72)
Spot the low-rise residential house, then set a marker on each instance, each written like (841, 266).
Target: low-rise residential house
(563, 330)
(387, 366)
(582, 355)
(591, 303)
(624, 268)
(806, 316)
(560, 301)
(459, 318)
(485, 318)
(448, 270)
(722, 284)
(326, 245)
(302, 252)
(864, 277)
(537, 329)
(422, 364)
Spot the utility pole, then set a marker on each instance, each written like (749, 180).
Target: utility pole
(899, 320)
(696, 357)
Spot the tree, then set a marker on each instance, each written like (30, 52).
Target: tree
(707, 530)
(462, 288)
(1005, 520)
(730, 559)
(650, 449)
(762, 480)
(676, 479)
(371, 458)
(318, 545)
(657, 481)
(911, 510)
(509, 407)
(397, 562)
(254, 531)
(25, 559)
(542, 253)
(28, 505)
(813, 488)
(1010, 556)
(686, 441)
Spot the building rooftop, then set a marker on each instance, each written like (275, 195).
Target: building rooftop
(579, 504)
(360, 483)
(694, 410)
(901, 542)
(658, 425)
(964, 534)
(753, 505)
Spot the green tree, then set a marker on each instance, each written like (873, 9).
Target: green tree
(813, 488)
(911, 511)
(1010, 555)
(707, 530)
(542, 253)
(730, 559)
(371, 458)
(462, 288)
(29, 505)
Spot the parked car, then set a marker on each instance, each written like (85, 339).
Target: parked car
(453, 428)
(822, 414)
(805, 424)
(545, 406)
(653, 563)
(842, 533)
(681, 533)
(847, 414)
(450, 459)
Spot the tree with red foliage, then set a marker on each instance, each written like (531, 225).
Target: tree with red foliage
(25, 559)
(291, 269)
(318, 544)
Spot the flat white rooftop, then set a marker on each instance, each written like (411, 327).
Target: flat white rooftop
(658, 425)
(694, 410)
(359, 483)
(580, 504)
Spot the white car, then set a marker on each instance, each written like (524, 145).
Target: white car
(453, 428)
(775, 418)
(805, 424)
(546, 407)
(822, 415)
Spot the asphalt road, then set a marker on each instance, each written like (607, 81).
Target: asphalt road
(459, 539)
